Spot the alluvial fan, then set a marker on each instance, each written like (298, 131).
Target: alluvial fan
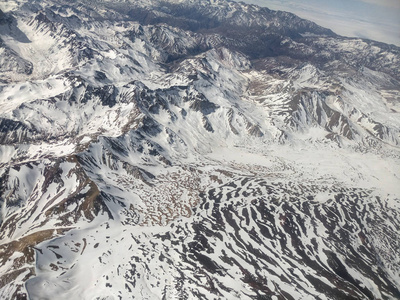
(194, 149)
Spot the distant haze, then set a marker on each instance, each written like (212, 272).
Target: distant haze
(372, 19)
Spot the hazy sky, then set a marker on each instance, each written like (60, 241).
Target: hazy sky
(374, 19)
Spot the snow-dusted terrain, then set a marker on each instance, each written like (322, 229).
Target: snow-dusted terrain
(194, 150)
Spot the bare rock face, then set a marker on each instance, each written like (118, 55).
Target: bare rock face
(194, 150)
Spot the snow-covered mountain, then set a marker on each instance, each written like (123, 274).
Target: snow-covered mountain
(194, 149)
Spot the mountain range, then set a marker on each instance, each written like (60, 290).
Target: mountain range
(194, 149)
